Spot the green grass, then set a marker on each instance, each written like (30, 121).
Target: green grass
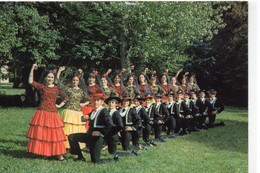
(222, 149)
(9, 90)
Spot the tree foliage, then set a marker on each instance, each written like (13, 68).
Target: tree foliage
(115, 34)
(228, 67)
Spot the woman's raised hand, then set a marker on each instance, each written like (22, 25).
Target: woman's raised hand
(62, 68)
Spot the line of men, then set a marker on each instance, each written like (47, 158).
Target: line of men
(182, 114)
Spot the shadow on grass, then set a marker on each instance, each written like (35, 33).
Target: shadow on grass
(231, 137)
(14, 142)
(21, 154)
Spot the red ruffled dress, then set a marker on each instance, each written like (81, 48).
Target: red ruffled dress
(166, 88)
(46, 135)
(89, 108)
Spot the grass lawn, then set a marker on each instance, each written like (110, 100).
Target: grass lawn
(9, 90)
(222, 149)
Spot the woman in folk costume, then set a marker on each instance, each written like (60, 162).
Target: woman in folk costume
(92, 88)
(75, 88)
(154, 84)
(107, 86)
(175, 84)
(143, 84)
(184, 85)
(46, 135)
(165, 84)
(132, 86)
(192, 84)
(119, 86)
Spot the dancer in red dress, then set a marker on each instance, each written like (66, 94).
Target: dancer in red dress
(165, 85)
(143, 86)
(119, 86)
(46, 135)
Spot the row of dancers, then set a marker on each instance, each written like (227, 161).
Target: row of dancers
(108, 112)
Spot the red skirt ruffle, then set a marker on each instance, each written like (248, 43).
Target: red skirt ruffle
(46, 119)
(46, 135)
(46, 148)
(86, 110)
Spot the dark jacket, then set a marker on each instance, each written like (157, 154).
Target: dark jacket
(181, 108)
(193, 109)
(215, 105)
(163, 111)
(143, 114)
(202, 105)
(117, 122)
(131, 118)
(102, 122)
(153, 114)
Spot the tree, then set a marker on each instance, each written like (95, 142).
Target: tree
(228, 67)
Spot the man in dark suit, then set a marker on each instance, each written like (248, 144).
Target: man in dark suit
(132, 122)
(163, 111)
(181, 113)
(202, 104)
(156, 120)
(193, 112)
(138, 101)
(112, 136)
(215, 107)
(100, 123)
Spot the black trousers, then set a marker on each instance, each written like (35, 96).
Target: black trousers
(157, 130)
(179, 124)
(171, 124)
(111, 141)
(95, 144)
(199, 120)
(127, 136)
(212, 118)
(146, 132)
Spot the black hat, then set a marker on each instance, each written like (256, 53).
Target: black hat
(202, 91)
(187, 92)
(170, 93)
(139, 97)
(113, 97)
(158, 95)
(148, 95)
(193, 91)
(180, 92)
(126, 97)
(212, 91)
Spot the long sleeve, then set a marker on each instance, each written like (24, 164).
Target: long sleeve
(157, 115)
(165, 113)
(37, 85)
(63, 95)
(108, 122)
(221, 107)
(118, 122)
(137, 121)
(185, 108)
(195, 109)
(145, 116)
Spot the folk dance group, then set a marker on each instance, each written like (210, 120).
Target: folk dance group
(104, 113)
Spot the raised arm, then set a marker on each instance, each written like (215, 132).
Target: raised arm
(34, 67)
(62, 68)
(178, 72)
